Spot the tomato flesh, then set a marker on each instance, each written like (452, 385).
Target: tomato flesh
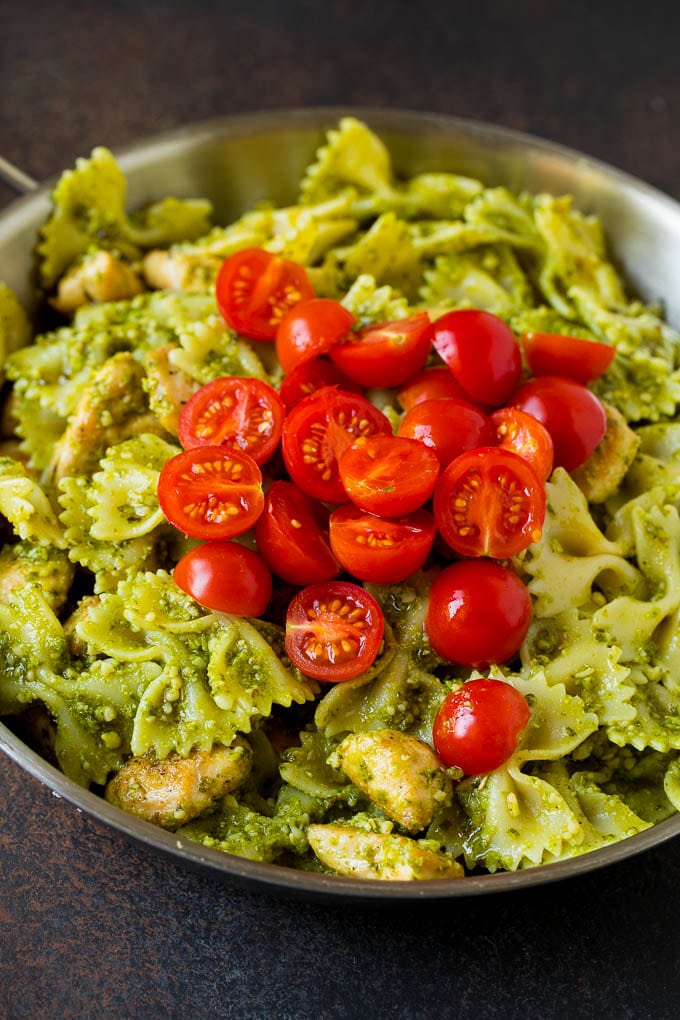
(388, 475)
(211, 492)
(478, 726)
(387, 354)
(572, 414)
(489, 502)
(521, 433)
(241, 413)
(333, 630)
(478, 613)
(482, 353)
(310, 329)
(227, 577)
(380, 549)
(429, 384)
(318, 430)
(449, 426)
(292, 536)
(254, 290)
(579, 359)
(310, 376)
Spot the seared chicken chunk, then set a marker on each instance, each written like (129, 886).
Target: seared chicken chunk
(98, 277)
(603, 472)
(357, 853)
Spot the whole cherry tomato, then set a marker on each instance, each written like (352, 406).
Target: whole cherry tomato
(572, 414)
(387, 354)
(311, 376)
(478, 726)
(478, 613)
(310, 329)
(448, 425)
(481, 352)
(227, 577)
(579, 359)
(292, 536)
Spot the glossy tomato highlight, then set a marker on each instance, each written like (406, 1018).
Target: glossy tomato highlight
(478, 725)
(482, 353)
(227, 577)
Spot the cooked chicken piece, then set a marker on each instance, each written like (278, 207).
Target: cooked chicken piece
(400, 774)
(357, 853)
(174, 790)
(169, 387)
(74, 643)
(99, 277)
(112, 408)
(603, 472)
(177, 270)
(21, 565)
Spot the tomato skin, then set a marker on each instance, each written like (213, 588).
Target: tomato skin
(254, 289)
(309, 329)
(555, 354)
(318, 430)
(447, 425)
(478, 613)
(430, 384)
(521, 433)
(388, 475)
(385, 355)
(211, 492)
(310, 376)
(478, 725)
(379, 549)
(482, 353)
(239, 412)
(292, 536)
(571, 413)
(334, 630)
(489, 502)
(226, 577)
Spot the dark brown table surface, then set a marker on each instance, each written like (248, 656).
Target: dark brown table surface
(93, 926)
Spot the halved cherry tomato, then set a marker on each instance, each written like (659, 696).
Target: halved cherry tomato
(318, 430)
(579, 359)
(447, 425)
(482, 353)
(242, 413)
(227, 577)
(254, 290)
(380, 549)
(311, 376)
(388, 475)
(387, 354)
(430, 384)
(334, 630)
(524, 435)
(478, 726)
(292, 536)
(211, 492)
(309, 329)
(572, 414)
(478, 613)
(489, 502)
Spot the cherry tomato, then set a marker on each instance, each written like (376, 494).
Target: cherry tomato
(478, 613)
(449, 426)
(430, 384)
(227, 577)
(242, 413)
(311, 376)
(254, 290)
(318, 430)
(481, 352)
(478, 726)
(385, 355)
(292, 536)
(211, 492)
(333, 630)
(489, 502)
(524, 435)
(388, 475)
(381, 549)
(310, 329)
(572, 414)
(579, 359)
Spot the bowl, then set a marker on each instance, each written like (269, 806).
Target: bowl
(238, 160)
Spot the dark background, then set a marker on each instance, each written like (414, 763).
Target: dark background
(93, 926)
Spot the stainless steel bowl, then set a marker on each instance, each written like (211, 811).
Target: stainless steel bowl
(238, 160)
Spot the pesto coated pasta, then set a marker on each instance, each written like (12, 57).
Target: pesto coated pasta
(197, 720)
